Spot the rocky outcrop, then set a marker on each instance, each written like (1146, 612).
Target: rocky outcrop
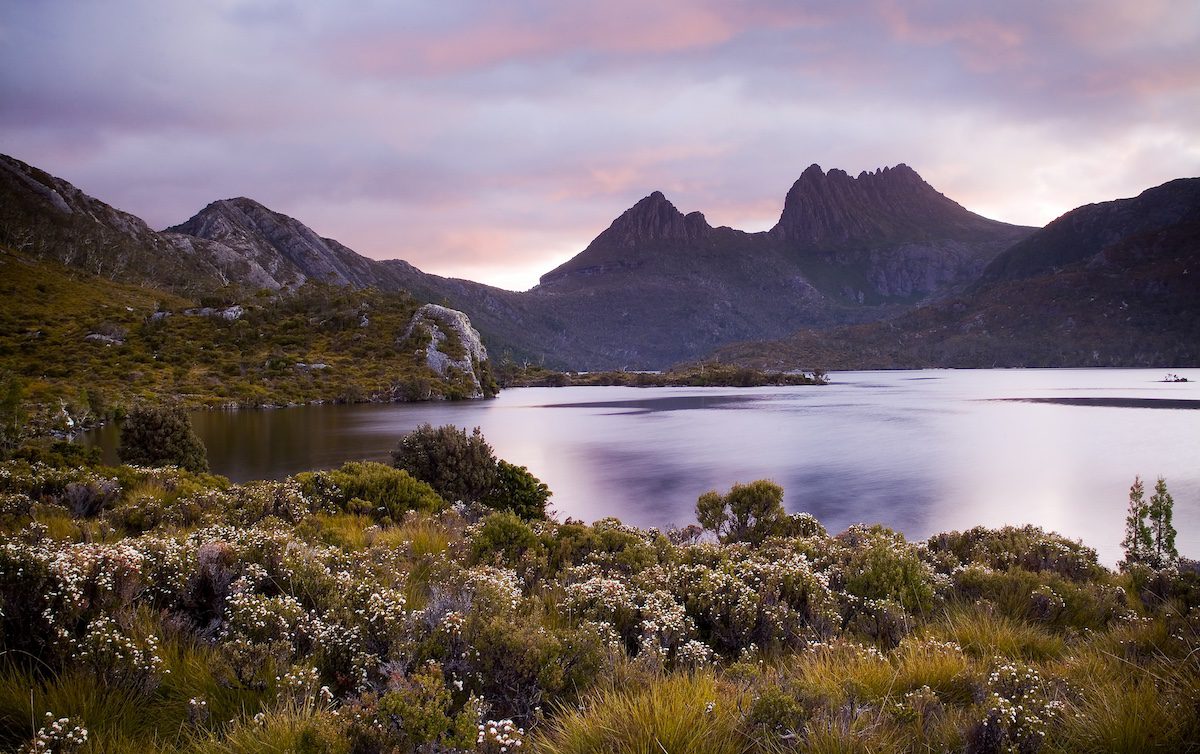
(286, 248)
(453, 349)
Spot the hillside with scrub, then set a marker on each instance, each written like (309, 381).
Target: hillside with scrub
(434, 605)
(76, 349)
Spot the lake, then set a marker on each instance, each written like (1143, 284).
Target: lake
(920, 451)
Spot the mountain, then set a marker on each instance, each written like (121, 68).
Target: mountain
(1109, 284)
(1087, 232)
(286, 248)
(659, 286)
(238, 243)
(50, 218)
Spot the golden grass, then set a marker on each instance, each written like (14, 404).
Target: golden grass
(670, 716)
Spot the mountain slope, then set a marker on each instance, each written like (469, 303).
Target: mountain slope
(289, 250)
(1109, 284)
(1086, 232)
(50, 218)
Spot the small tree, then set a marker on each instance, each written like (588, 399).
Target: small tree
(747, 513)
(457, 465)
(162, 436)
(1138, 542)
(519, 491)
(1160, 513)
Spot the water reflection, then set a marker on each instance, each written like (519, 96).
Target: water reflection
(919, 451)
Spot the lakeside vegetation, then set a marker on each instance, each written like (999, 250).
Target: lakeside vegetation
(435, 606)
(76, 349)
(704, 374)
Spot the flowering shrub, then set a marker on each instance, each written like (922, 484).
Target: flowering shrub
(396, 630)
(499, 736)
(877, 564)
(742, 597)
(1019, 713)
(1027, 547)
(1045, 605)
(60, 736)
(117, 659)
(418, 710)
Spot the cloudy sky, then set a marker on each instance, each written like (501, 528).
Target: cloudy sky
(493, 140)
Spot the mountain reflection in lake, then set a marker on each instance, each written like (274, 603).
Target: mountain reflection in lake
(919, 451)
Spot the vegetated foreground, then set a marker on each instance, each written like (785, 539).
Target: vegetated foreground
(157, 609)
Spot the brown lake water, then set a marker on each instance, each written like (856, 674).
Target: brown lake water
(920, 451)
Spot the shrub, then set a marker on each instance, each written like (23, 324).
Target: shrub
(162, 436)
(776, 712)
(88, 499)
(391, 492)
(747, 513)
(1028, 547)
(1019, 713)
(419, 712)
(504, 538)
(519, 491)
(457, 465)
(60, 453)
(877, 564)
(520, 667)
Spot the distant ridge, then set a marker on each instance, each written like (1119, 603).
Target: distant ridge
(659, 286)
(1109, 284)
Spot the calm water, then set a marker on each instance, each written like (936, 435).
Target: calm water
(920, 451)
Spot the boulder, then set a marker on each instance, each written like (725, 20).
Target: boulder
(453, 345)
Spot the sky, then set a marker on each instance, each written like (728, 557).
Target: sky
(493, 140)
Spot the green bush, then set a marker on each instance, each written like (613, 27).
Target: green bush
(504, 538)
(162, 436)
(391, 492)
(1027, 547)
(747, 513)
(519, 491)
(419, 713)
(457, 465)
(877, 564)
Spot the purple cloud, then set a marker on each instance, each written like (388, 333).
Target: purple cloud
(494, 140)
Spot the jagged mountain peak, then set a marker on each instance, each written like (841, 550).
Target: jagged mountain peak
(654, 218)
(890, 204)
(649, 226)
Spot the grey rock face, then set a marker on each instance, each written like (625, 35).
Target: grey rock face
(441, 323)
(288, 250)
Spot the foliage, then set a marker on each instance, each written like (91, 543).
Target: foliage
(1138, 542)
(747, 513)
(1159, 511)
(373, 489)
(296, 616)
(517, 490)
(162, 436)
(457, 465)
(503, 539)
(318, 342)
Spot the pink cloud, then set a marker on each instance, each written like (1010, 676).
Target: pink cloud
(614, 29)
